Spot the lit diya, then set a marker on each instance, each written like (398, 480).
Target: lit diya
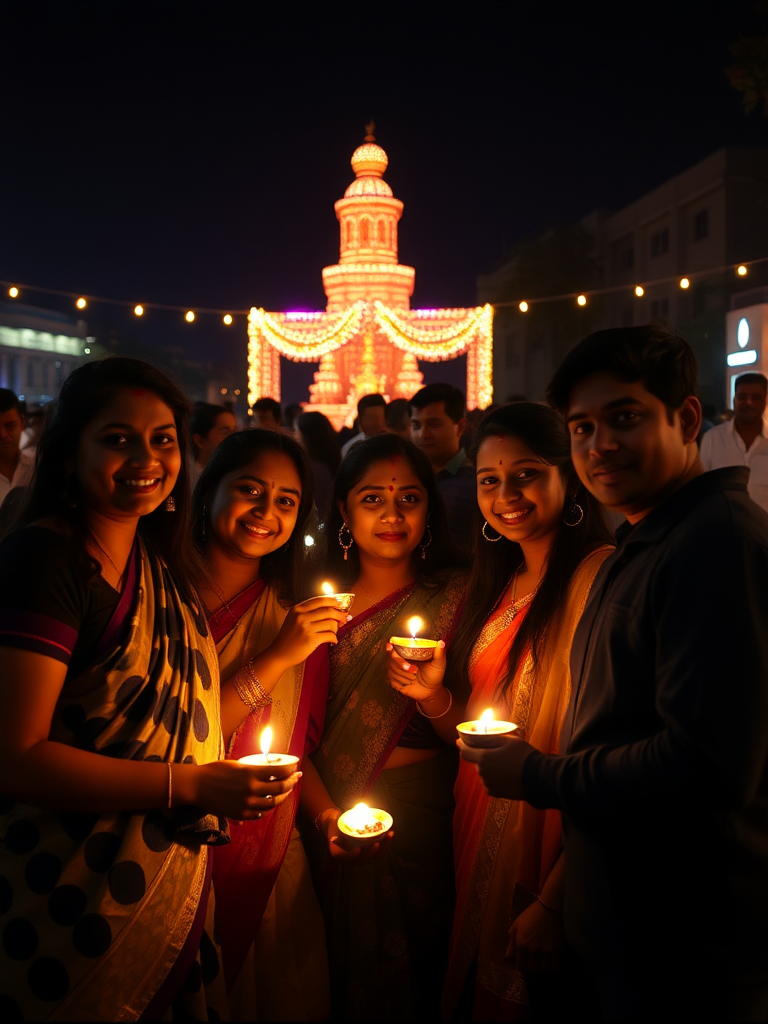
(271, 761)
(364, 825)
(486, 731)
(414, 648)
(344, 601)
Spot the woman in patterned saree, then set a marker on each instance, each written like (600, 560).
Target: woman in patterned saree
(539, 543)
(387, 919)
(110, 735)
(250, 510)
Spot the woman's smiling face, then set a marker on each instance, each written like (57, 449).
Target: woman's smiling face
(519, 495)
(386, 511)
(254, 509)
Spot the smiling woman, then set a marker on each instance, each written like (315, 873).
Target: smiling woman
(110, 739)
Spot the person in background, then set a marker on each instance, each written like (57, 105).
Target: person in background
(16, 465)
(743, 441)
(399, 418)
(292, 413)
(209, 426)
(266, 414)
(318, 439)
(35, 421)
(371, 419)
(437, 426)
(662, 779)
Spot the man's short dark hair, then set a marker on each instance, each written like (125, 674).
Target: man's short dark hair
(397, 410)
(661, 361)
(370, 402)
(9, 400)
(451, 397)
(752, 378)
(268, 405)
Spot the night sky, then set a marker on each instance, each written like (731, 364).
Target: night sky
(192, 153)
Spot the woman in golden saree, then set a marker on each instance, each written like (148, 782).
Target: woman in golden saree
(109, 714)
(539, 543)
(251, 507)
(387, 919)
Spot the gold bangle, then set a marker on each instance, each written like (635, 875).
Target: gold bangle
(170, 785)
(450, 705)
(318, 826)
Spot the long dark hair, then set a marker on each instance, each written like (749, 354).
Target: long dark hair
(320, 440)
(440, 555)
(544, 432)
(285, 568)
(54, 491)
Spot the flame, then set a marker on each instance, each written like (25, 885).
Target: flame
(360, 816)
(327, 588)
(485, 719)
(266, 740)
(415, 625)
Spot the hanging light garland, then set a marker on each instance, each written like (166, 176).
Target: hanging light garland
(310, 338)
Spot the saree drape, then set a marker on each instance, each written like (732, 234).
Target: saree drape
(104, 903)
(387, 920)
(501, 844)
(246, 870)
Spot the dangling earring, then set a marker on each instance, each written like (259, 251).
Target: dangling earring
(493, 540)
(572, 512)
(427, 543)
(351, 540)
(170, 504)
(205, 513)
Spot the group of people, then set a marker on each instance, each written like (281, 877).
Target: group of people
(608, 858)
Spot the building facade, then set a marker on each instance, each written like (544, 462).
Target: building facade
(38, 349)
(698, 225)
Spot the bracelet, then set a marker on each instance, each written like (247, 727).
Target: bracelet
(450, 705)
(250, 691)
(547, 906)
(319, 816)
(170, 785)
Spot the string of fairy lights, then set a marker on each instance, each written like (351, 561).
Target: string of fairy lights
(190, 314)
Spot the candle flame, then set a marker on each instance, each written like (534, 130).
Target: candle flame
(486, 718)
(266, 740)
(327, 588)
(360, 816)
(415, 625)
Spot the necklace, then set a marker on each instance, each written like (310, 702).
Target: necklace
(107, 556)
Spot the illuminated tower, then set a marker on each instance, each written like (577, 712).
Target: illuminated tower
(369, 339)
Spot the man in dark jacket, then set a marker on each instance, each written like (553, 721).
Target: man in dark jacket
(663, 776)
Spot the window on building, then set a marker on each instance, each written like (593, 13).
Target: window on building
(659, 309)
(701, 225)
(365, 231)
(381, 233)
(660, 242)
(349, 232)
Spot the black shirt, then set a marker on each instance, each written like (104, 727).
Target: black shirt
(664, 783)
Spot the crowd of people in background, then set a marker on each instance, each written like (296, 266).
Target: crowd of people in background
(162, 606)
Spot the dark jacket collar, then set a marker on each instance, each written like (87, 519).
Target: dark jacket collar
(658, 523)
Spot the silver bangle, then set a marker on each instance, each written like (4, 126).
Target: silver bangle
(450, 705)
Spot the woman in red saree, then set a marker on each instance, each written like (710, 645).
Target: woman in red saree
(251, 507)
(539, 544)
(388, 919)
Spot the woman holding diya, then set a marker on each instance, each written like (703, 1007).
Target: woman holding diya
(110, 739)
(387, 919)
(539, 544)
(250, 510)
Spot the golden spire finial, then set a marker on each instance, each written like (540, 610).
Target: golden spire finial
(370, 128)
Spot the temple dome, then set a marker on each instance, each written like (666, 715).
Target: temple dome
(369, 159)
(367, 186)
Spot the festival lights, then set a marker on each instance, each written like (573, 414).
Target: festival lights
(582, 300)
(227, 318)
(741, 270)
(189, 316)
(639, 291)
(138, 310)
(523, 307)
(13, 291)
(81, 303)
(684, 283)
